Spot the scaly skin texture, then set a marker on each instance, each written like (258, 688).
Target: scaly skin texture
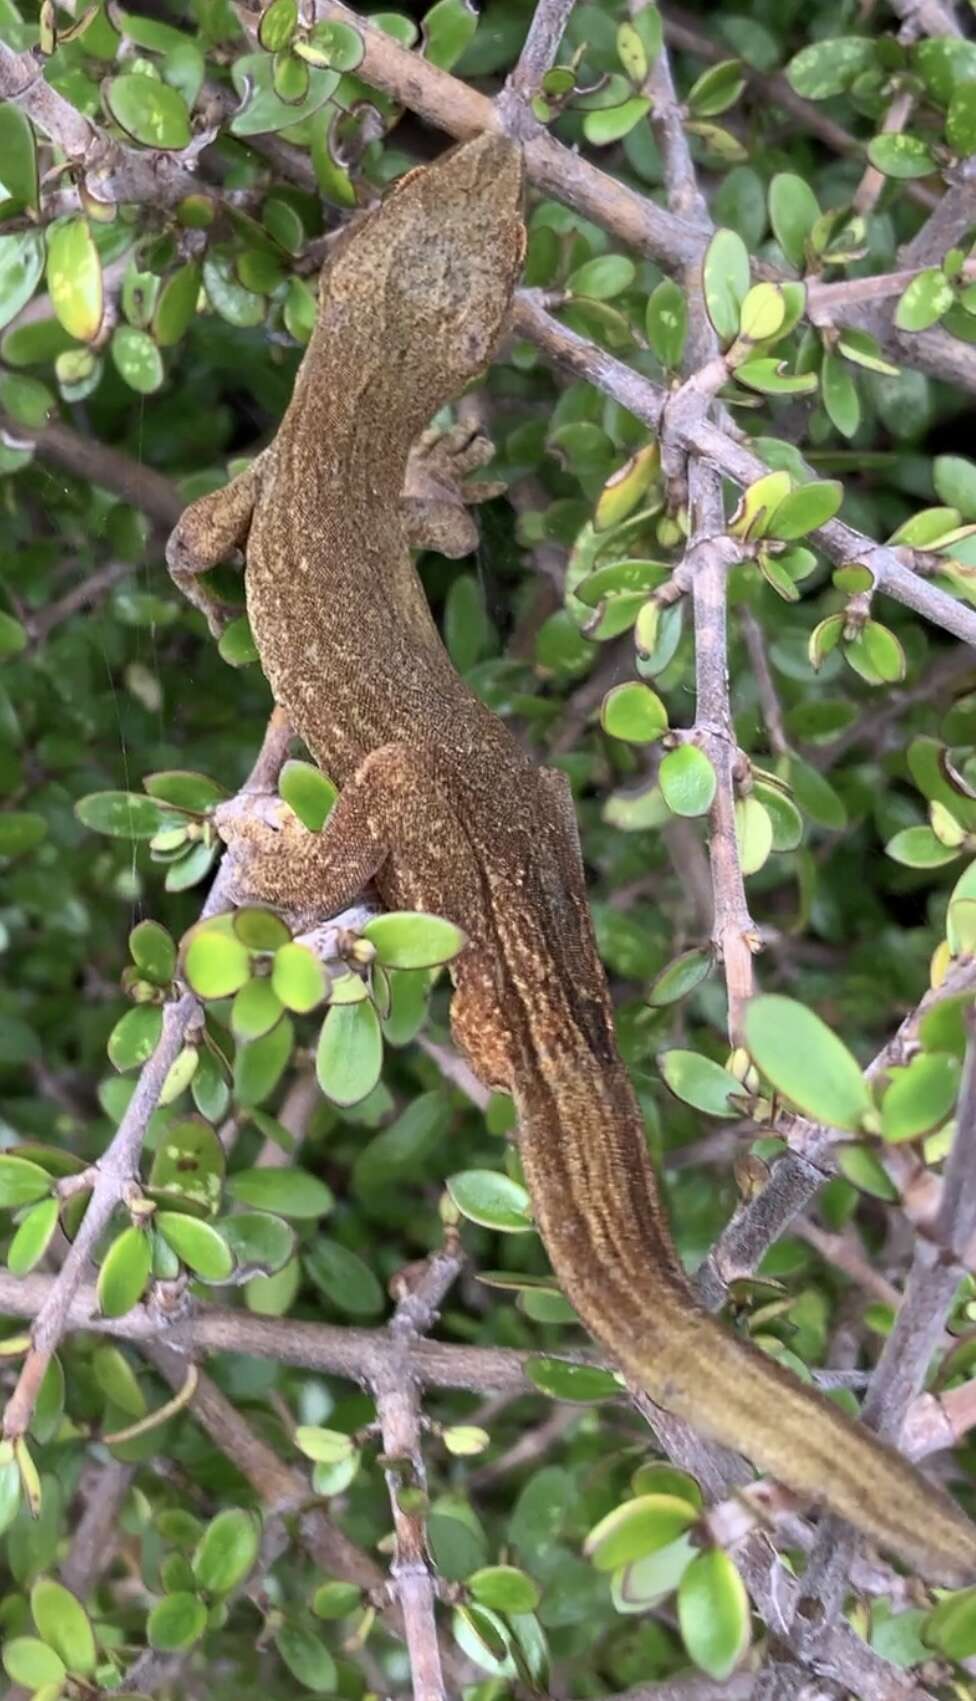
(442, 808)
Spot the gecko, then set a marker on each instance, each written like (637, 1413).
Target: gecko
(444, 811)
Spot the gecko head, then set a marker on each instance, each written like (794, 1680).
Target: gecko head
(455, 255)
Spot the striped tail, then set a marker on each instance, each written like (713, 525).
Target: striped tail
(596, 1202)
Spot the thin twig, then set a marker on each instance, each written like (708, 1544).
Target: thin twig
(117, 1169)
(398, 1410)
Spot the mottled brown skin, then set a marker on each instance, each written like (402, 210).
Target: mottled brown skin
(446, 813)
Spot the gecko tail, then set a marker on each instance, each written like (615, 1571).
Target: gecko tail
(596, 1201)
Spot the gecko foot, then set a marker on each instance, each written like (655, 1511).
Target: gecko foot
(436, 498)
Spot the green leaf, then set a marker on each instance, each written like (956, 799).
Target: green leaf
(838, 393)
(618, 578)
(149, 111)
(754, 833)
(806, 1062)
(863, 1169)
(255, 1011)
(263, 111)
(876, 654)
(21, 265)
(277, 25)
(260, 929)
(135, 1037)
(199, 1246)
(920, 1095)
(298, 978)
(448, 28)
(333, 43)
(923, 303)
(713, 1613)
(954, 478)
(716, 89)
(20, 832)
(18, 156)
(918, 847)
(562, 1380)
(236, 645)
(176, 305)
(216, 964)
(793, 212)
(26, 400)
(13, 636)
(308, 792)
(344, 1278)
(259, 1066)
(349, 1055)
(660, 1478)
(136, 357)
(951, 1628)
(289, 1192)
(10, 1492)
(465, 1440)
(726, 279)
(491, 1199)
(961, 119)
(633, 712)
(32, 1663)
(324, 1446)
(33, 1237)
(638, 1527)
(763, 313)
(409, 939)
(63, 1624)
(336, 1600)
(901, 155)
(805, 508)
(188, 1162)
(680, 977)
(401, 1152)
(771, 378)
(943, 62)
(74, 278)
(117, 1381)
(258, 1241)
(227, 1550)
(687, 780)
(153, 952)
(603, 277)
(307, 1659)
(504, 1588)
(827, 68)
(864, 350)
(700, 1082)
(21, 1182)
(815, 795)
(785, 819)
(666, 322)
(633, 57)
(124, 1273)
(612, 122)
(176, 1622)
(185, 790)
(123, 814)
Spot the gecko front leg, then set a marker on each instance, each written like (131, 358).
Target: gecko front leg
(207, 532)
(436, 500)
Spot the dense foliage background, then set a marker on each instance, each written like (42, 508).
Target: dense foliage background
(763, 218)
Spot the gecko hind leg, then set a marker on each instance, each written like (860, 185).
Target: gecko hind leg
(393, 804)
(394, 822)
(207, 532)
